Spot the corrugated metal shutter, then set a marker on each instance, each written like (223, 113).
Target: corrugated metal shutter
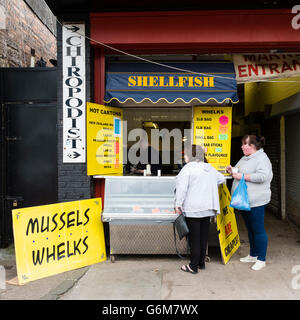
(292, 132)
(271, 131)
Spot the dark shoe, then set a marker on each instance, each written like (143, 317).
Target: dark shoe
(187, 268)
(202, 267)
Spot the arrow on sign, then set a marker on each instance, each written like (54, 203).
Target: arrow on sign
(73, 155)
(73, 28)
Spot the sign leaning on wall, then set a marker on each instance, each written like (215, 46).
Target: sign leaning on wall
(54, 238)
(74, 96)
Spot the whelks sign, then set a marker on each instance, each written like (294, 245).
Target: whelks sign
(59, 237)
(149, 82)
(212, 131)
(255, 67)
(74, 98)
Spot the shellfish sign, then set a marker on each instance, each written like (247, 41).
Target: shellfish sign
(59, 237)
(74, 93)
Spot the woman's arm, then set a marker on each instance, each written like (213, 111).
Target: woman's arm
(182, 182)
(262, 172)
(220, 178)
(239, 175)
(259, 176)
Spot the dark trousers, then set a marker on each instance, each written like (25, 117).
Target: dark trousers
(258, 239)
(198, 238)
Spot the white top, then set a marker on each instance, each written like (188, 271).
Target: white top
(197, 189)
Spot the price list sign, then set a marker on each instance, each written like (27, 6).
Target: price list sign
(212, 131)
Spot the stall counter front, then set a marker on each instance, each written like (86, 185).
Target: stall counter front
(140, 213)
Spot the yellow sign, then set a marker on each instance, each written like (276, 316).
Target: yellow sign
(227, 226)
(212, 131)
(59, 237)
(104, 140)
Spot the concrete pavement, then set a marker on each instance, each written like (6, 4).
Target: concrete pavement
(159, 277)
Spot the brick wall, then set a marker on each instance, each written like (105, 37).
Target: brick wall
(73, 182)
(23, 31)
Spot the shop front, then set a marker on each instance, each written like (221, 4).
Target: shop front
(117, 44)
(130, 79)
(167, 107)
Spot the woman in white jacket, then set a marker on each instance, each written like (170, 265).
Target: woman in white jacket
(198, 199)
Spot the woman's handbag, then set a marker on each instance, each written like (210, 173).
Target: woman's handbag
(239, 199)
(182, 229)
(181, 226)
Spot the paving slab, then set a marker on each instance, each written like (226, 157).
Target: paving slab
(159, 277)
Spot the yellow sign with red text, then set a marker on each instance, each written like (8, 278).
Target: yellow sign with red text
(226, 226)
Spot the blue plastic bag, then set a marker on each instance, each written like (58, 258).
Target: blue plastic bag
(239, 199)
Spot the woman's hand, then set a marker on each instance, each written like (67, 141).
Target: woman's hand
(237, 176)
(229, 169)
(178, 210)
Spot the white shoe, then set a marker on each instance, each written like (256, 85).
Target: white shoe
(258, 265)
(248, 259)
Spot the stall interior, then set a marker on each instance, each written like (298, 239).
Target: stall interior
(162, 121)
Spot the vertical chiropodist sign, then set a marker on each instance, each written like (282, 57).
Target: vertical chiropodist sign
(74, 96)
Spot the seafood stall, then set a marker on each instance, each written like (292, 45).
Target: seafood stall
(140, 212)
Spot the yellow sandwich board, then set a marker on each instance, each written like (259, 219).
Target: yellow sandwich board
(59, 237)
(226, 226)
(104, 140)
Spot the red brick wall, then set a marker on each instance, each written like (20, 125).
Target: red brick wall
(24, 31)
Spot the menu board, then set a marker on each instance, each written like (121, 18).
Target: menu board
(212, 131)
(104, 140)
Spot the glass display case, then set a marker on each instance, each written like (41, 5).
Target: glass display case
(140, 213)
(139, 200)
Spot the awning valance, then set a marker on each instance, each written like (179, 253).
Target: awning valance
(147, 81)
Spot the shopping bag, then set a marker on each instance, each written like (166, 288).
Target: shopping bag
(239, 199)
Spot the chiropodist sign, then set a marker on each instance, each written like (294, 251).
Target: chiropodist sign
(104, 140)
(212, 131)
(74, 95)
(59, 237)
(226, 226)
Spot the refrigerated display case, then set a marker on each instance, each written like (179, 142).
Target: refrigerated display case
(140, 212)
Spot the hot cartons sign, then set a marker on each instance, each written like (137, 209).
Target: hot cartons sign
(59, 237)
(104, 140)
(212, 130)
